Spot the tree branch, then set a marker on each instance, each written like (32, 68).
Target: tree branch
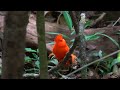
(75, 21)
(98, 19)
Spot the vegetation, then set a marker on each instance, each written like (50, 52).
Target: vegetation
(93, 60)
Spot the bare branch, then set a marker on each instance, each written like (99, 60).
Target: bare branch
(98, 19)
(75, 21)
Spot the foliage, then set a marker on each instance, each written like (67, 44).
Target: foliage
(68, 19)
(88, 23)
(108, 65)
(33, 59)
(29, 50)
(116, 61)
(105, 66)
(90, 37)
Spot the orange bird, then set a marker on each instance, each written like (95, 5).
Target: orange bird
(61, 48)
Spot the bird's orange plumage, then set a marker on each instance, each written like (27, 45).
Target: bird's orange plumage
(61, 48)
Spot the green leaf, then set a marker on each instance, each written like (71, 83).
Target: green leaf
(73, 32)
(27, 59)
(30, 50)
(118, 33)
(37, 50)
(109, 60)
(54, 61)
(118, 56)
(35, 56)
(68, 19)
(115, 61)
(91, 37)
(101, 71)
(72, 40)
(88, 23)
(37, 64)
(66, 37)
(110, 39)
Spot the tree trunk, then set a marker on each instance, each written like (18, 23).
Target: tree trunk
(14, 44)
(42, 45)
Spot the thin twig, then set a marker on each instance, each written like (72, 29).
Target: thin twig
(116, 22)
(93, 62)
(59, 18)
(98, 19)
(75, 21)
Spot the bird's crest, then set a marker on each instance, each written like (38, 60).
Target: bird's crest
(58, 37)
